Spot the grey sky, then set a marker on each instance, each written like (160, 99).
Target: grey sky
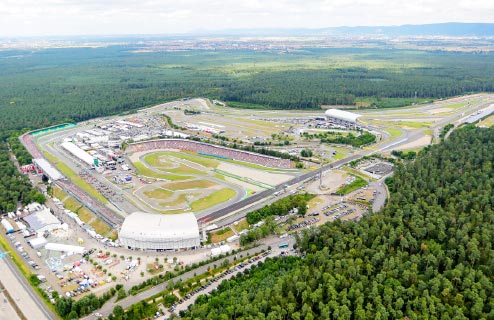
(76, 17)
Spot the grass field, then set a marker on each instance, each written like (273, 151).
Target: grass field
(358, 183)
(159, 193)
(74, 177)
(338, 156)
(394, 132)
(85, 215)
(215, 198)
(71, 204)
(241, 225)
(145, 171)
(207, 162)
(428, 132)
(221, 235)
(357, 173)
(153, 160)
(113, 235)
(7, 247)
(182, 198)
(414, 124)
(487, 122)
(186, 185)
(219, 176)
(59, 193)
(182, 169)
(100, 227)
(314, 202)
(456, 105)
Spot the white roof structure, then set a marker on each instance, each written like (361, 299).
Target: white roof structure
(48, 169)
(37, 243)
(42, 221)
(64, 247)
(220, 250)
(78, 152)
(342, 115)
(159, 231)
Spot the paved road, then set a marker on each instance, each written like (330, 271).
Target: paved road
(7, 312)
(183, 306)
(266, 193)
(28, 301)
(127, 302)
(381, 195)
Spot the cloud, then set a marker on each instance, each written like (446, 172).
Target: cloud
(52, 17)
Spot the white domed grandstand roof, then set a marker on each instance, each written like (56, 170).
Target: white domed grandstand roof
(160, 231)
(342, 115)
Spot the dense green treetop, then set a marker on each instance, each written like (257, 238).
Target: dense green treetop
(427, 255)
(45, 87)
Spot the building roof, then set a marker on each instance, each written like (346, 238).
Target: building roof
(48, 169)
(37, 242)
(342, 115)
(148, 226)
(64, 247)
(78, 152)
(41, 219)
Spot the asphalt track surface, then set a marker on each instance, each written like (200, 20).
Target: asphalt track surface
(28, 301)
(406, 137)
(266, 193)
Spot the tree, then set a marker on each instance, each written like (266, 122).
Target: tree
(121, 294)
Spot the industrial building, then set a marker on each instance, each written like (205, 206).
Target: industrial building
(158, 232)
(43, 221)
(342, 118)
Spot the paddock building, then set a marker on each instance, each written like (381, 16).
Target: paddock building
(146, 231)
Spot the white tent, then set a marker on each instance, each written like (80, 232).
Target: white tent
(37, 243)
(221, 250)
(64, 247)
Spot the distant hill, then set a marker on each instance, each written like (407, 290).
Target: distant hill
(452, 29)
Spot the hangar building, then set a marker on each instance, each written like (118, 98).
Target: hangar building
(42, 221)
(158, 232)
(342, 118)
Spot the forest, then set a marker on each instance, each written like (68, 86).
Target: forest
(427, 255)
(14, 187)
(49, 86)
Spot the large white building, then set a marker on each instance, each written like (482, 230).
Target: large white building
(342, 118)
(79, 153)
(148, 231)
(42, 221)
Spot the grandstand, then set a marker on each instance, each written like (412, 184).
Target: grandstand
(158, 232)
(47, 169)
(342, 118)
(204, 148)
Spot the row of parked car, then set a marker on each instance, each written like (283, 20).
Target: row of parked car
(338, 208)
(302, 224)
(343, 213)
(218, 278)
(18, 246)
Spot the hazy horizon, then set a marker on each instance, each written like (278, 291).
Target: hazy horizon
(131, 17)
